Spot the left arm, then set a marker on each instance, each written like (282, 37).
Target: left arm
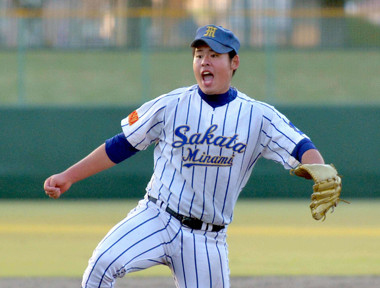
(328, 184)
(312, 156)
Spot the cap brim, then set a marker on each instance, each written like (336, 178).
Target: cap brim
(214, 45)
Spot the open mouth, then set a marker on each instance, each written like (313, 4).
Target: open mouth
(207, 77)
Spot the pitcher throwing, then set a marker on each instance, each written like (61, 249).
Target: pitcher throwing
(207, 137)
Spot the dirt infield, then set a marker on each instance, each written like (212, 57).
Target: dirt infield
(237, 282)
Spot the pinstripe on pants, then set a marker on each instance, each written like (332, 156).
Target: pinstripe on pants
(149, 236)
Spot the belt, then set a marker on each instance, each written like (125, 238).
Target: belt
(190, 222)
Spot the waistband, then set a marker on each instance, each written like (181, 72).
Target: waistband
(189, 222)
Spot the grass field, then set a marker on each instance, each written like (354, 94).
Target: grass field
(273, 237)
(118, 77)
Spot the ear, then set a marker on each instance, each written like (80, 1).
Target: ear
(235, 62)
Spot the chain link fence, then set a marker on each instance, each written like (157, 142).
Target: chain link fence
(40, 39)
(127, 24)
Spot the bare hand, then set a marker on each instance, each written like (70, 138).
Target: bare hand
(56, 185)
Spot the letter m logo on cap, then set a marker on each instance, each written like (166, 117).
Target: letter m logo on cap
(210, 32)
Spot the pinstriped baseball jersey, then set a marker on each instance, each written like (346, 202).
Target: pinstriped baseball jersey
(203, 155)
(205, 149)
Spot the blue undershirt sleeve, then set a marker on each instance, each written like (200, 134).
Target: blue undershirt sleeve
(302, 146)
(118, 148)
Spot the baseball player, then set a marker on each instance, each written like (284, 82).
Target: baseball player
(207, 137)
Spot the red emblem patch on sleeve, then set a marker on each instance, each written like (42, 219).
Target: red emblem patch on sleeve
(133, 117)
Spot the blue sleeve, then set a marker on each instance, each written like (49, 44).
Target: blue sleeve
(302, 146)
(118, 148)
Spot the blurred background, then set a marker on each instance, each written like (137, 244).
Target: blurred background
(70, 70)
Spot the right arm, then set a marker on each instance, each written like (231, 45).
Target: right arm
(95, 162)
(114, 151)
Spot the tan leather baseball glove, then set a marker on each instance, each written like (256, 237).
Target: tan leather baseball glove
(327, 187)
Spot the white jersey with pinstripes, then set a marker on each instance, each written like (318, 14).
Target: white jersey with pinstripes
(204, 156)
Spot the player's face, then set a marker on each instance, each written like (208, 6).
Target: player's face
(213, 71)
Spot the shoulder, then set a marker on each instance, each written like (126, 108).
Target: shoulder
(262, 110)
(167, 99)
(174, 95)
(182, 90)
(257, 106)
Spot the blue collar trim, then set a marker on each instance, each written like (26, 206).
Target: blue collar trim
(218, 100)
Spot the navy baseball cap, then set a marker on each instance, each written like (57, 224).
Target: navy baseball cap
(220, 39)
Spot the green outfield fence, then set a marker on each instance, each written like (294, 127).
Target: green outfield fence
(38, 142)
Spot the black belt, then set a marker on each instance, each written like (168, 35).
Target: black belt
(189, 222)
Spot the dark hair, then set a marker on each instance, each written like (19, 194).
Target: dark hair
(232, 54)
